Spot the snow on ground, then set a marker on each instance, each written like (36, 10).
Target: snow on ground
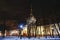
(25, 38)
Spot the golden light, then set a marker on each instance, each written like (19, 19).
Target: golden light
(12, 32)
(24, 31)
(42, 28)
(38, 30)
(0, 33)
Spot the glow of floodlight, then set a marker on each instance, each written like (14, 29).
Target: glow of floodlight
(21, 26)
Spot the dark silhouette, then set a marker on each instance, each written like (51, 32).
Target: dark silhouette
(2, 29)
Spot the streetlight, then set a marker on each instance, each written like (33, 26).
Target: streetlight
(20, 27)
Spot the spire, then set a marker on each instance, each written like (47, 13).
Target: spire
(31, 11)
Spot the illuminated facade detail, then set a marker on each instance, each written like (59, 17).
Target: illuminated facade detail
(38, 30)
(14, 32)
(0, 33)
(5, 32)
(24, 31)
(43, 30)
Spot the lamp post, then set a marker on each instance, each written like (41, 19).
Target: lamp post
(20, 27)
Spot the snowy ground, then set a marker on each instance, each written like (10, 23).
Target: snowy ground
(25, 38)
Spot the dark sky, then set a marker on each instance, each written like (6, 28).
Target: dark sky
(13, 9)
(20, 9)
(46, 8)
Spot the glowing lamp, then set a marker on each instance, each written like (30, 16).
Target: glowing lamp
(20, 26)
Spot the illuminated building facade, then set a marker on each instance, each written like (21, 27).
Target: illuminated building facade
(45, 30)
(31, 29)
(38, 31)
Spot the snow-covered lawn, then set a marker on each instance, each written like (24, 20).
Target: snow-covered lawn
(25, 38)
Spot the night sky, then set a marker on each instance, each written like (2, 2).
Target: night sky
(14, 9)
(46, 8)
(20, 9)
(45, 11)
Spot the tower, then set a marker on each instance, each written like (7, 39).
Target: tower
(30, 21)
